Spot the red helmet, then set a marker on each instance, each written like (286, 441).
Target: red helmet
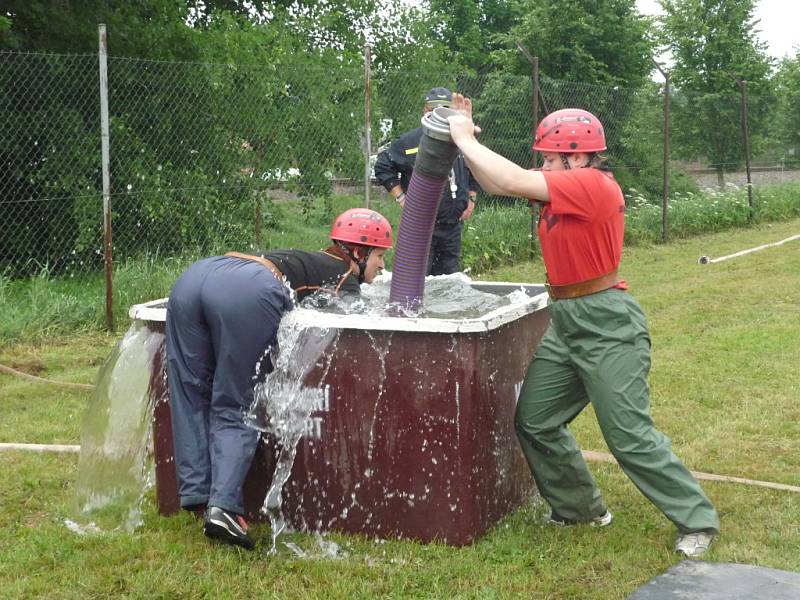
(364, 227)
(570, 130)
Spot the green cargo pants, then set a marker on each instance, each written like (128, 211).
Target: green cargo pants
(597, 349)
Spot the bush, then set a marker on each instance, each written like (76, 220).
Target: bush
(497, 235)
(708, 211)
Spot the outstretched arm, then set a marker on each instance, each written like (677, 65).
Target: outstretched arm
(496, 174)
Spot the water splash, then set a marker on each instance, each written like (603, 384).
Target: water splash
(446, 297)
(115, 467)
(329, 548)
(325, 549)
(283, 403)
(383, 352)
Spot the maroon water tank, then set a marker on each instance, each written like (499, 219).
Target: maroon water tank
(413, 435)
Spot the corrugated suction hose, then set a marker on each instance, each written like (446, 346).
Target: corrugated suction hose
(435, 159)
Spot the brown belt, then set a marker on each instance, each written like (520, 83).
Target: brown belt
(582, 288)
(259, 259)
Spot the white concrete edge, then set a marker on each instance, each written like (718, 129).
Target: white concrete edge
(153, 311)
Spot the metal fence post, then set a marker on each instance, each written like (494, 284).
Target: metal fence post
(746, 134)
(258, 220)
(105, 158)
(534, 208)
(665, 166)
(535, 77)
(746, 139)
(534, 124)
(367, 123)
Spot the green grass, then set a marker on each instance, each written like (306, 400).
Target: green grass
(724, 384)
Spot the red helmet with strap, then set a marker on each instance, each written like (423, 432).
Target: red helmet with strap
(570, 130)
(364, 227)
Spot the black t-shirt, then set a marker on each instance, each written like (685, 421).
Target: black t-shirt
(309, 272)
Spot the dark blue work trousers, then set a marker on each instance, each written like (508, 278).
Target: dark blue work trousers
(222, 316)
(445, 253)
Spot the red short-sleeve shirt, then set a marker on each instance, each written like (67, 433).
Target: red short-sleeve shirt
(582, 226)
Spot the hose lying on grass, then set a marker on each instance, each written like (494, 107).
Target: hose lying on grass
(603, 457)
(587, 454)
(66, 384)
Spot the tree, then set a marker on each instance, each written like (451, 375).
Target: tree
(50, 156)
(469, 29)
(210, 102)
(785, 128)
(149, 28)
(595, 55)
(602, 42)
(713, 43)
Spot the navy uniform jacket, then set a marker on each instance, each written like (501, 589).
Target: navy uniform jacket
(398, 159)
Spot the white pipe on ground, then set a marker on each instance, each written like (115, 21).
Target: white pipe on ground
(706, 260)
(41, 447)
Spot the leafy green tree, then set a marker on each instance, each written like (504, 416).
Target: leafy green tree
(5, 32)
(409, 58)
(596, 55)
(713, 42)
(50, 103)
(603, 42)
(148, 28)
(469, 29)
(786, 125)
(241, 94)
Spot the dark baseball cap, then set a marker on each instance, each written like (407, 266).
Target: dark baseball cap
(439, 96)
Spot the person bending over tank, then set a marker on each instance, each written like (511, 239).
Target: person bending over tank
(223, 314)
(597, 347)
(393, 169)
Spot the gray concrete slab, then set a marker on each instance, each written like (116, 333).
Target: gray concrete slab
(700, 580)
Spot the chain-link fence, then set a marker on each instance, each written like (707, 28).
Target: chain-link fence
(199, 152)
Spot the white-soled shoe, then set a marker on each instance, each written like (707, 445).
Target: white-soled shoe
(227, 527)
(694, 544)
(599, 521)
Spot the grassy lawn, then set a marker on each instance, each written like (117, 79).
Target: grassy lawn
(725, 385)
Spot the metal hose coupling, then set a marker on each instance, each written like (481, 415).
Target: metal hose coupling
(437, 152)
(435, 123)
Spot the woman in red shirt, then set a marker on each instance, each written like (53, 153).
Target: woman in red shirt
(597, 347)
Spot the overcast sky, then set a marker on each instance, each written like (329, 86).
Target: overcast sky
(779, 26)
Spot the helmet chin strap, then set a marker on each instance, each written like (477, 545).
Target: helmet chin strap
(361, 262)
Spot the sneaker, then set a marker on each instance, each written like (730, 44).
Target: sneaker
(694, 544)
(599, 521)
(227, 527)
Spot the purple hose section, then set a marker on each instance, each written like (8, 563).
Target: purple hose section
(414, 241)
